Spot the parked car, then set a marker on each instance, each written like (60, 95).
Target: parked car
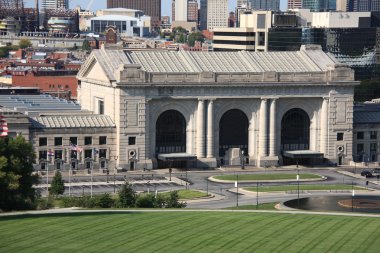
(366, 173)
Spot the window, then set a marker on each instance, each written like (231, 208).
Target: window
(102, 153)
(131, 140)
(43, 141)
(58, 154)
(102, 140)
(359, 148)
(88, 153)
(74, 154)
(88, 140)
(88, 164)
(339, 136)
(73, 165)
(103, 164)
(42, 154)
(373, 147)
(373, 135)
(100, 107)
(74, 140)
(58, 141)
(360, 135)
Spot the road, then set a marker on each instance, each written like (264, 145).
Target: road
(158, 180)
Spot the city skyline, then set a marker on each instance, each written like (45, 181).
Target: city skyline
(166, 5)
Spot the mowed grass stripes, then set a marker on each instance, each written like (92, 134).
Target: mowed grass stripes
(189, 232)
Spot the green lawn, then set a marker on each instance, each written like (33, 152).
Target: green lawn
(303, 188)
(255, 177)
(188, 194)
(189, 232)
(264, 206)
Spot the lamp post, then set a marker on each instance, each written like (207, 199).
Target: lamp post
(298, 186)
(44, 164)
(115, 157)
(237, 190)
(89, 160)
(242, 159)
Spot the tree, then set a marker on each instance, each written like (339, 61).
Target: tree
(127, 196)
(195, 37)
(86, 46)
(24, 43)
(173, 201)
(16, 174)
(57, 185)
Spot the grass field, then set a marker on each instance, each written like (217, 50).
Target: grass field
(254, 177)
(189, 232)
(303, 188)
(263, 206)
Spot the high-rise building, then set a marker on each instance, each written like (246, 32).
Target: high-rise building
(265, 5)
(242, 3)
(151, 8)
(214, 13)
(319, 5)
(363, 5)
(179, 10)
(54, 4)
(185, 10)
(342, 5)
(294, 4)
(192, 10)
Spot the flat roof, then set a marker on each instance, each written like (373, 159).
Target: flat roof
(176, 157)
(303, 154)
(115, 18)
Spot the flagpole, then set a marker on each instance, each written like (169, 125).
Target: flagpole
(70, 180)
(47, 179)
(91, 179)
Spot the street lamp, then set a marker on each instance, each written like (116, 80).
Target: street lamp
(115, 157)
(45, 165)
(242, 159)
(73, 165)
(89, 165)
(298, 186)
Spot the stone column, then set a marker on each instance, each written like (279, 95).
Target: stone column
(210, 129)
(324, 125)
(272, 129)
(263, 131)
(201, 129)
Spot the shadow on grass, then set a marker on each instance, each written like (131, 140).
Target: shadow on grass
(69, 214)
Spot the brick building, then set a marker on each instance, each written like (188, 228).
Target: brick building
(60, 83)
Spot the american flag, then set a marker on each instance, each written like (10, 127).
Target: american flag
(3, 126)
(50, 153)
(75, 147)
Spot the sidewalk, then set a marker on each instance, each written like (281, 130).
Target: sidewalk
(358, 176)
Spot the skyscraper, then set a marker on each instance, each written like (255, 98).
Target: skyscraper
(54, 4)
(294, 4)
(319, 5)
(363, 5)
(185, 10)
(151, 8)
(265, 5)
(214, 13)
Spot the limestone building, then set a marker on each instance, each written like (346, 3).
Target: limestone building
(197, 108)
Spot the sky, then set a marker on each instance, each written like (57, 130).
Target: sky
(166, 5)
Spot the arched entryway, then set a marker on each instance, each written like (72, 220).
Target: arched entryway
(295, 130)
(233, 131)
(170, 135)
(295, 135)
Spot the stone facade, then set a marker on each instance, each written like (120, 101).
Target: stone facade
(136, 88)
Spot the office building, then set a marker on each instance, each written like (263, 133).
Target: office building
(54, 4)
(294, 4)
(214, 14)
(319, 5)
(151, 8)
(265, 5)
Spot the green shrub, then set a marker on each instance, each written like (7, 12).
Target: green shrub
(127, 196)
(145, 201)
(105, 201)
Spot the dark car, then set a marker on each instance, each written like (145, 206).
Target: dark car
(366, 173)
